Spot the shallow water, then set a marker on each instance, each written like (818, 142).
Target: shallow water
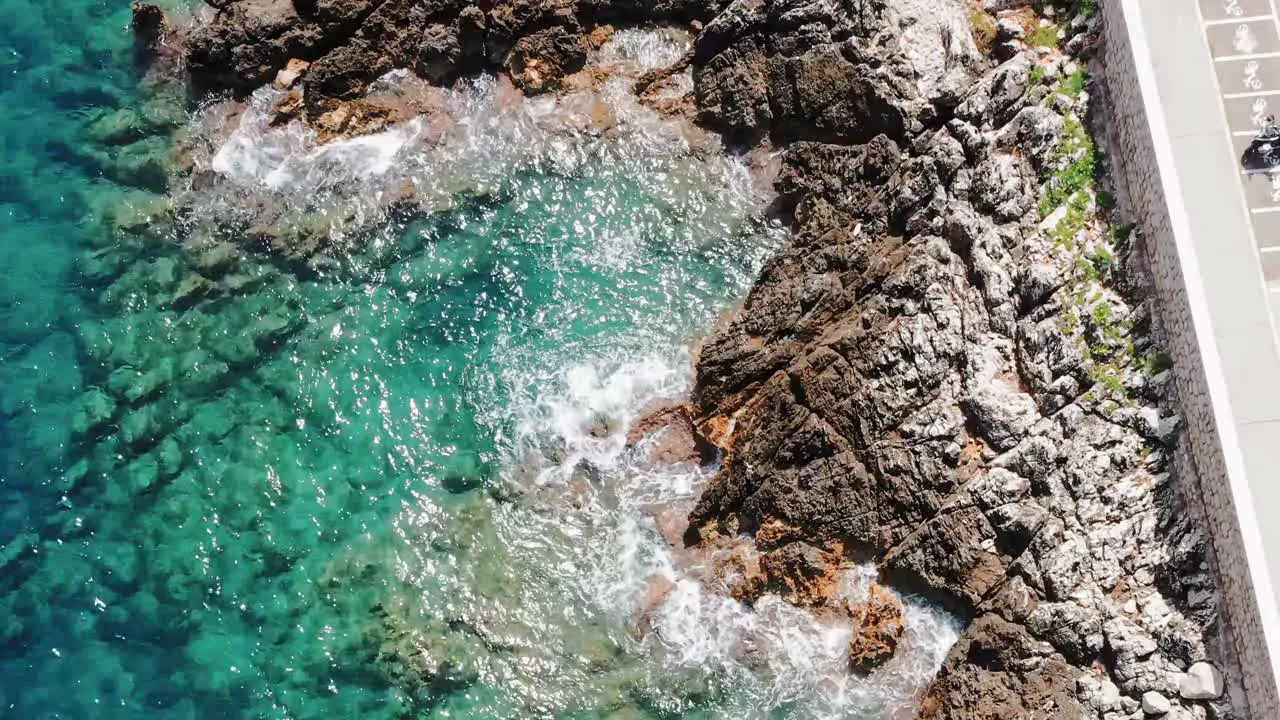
(387, 481)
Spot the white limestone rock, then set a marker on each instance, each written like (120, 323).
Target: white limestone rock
(1155, 705)
(1201, 681)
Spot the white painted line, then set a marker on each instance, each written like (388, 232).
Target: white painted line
(1253, 56)
(1259, 211)
(1269, 249)
(1259, 93)
(1230, 21)
(1245, 133)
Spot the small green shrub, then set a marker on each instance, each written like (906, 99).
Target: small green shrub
(1074, 84)
(1077, 174)
(1155, 363)
(1037, 75)
(1121, 236)
(983, 28)
(1046, 36)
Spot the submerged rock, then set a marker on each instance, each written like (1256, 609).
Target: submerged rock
(149, 26)
(674, 439)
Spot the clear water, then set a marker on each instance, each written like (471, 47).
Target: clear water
(390, 481)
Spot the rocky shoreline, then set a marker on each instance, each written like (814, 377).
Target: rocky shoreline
(949, 369)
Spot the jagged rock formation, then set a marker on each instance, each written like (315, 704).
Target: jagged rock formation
(877, 630)
(926, 376)
(350, 43)
(906, 379)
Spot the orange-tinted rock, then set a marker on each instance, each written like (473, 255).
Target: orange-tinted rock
(598, 36)
(538, 62)
(352, 119)
(877, 628)
(677, 441)
(802, 574)
(739, 570)
(287, 108)
(288, 76)
(775, 533)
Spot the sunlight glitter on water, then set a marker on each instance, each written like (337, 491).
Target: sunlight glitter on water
(400, 488)
(578, 544)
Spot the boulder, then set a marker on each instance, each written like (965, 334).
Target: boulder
(1201, 681)
(802, 574)
(673, 439)
(539, 62)
(149, 26)
(290, 74)
(1155, 705)
(998, 671)
(877, 628)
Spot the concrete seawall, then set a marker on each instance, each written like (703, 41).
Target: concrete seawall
(1228, 474)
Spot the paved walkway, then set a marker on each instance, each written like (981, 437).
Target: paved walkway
(1217, 68)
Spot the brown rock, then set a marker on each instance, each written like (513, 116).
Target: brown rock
(877, 628)
(287, 108)
(775, 533)
(351, 119)
(672, 523)
(655, 591)
(802, 574)
(998, 671)
(540, 61)
(676, 440)
(149, 26)
(739, 569)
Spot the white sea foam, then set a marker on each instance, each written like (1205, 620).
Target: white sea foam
(583, 537)
(472, 138)
(782, 655)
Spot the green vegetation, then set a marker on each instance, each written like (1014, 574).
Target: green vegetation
(1121, 236)
(1037, 75)
(1081, 165)
(1092, 247)
(983, 28)
(1070, 8)
(1074, 84)
(1046, 36)
(1107, 376)
(1154, 363)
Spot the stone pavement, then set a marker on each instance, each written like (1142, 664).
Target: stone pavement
(1216, 68)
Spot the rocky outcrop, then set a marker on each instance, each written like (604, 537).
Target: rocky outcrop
(877, 629)
(947, 370)
(939, 372)
(665, 434)
(350, 43)
(998, 670)
(149, 26)
(830, 71)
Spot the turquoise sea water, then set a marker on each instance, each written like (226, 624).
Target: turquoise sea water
(384, 482)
